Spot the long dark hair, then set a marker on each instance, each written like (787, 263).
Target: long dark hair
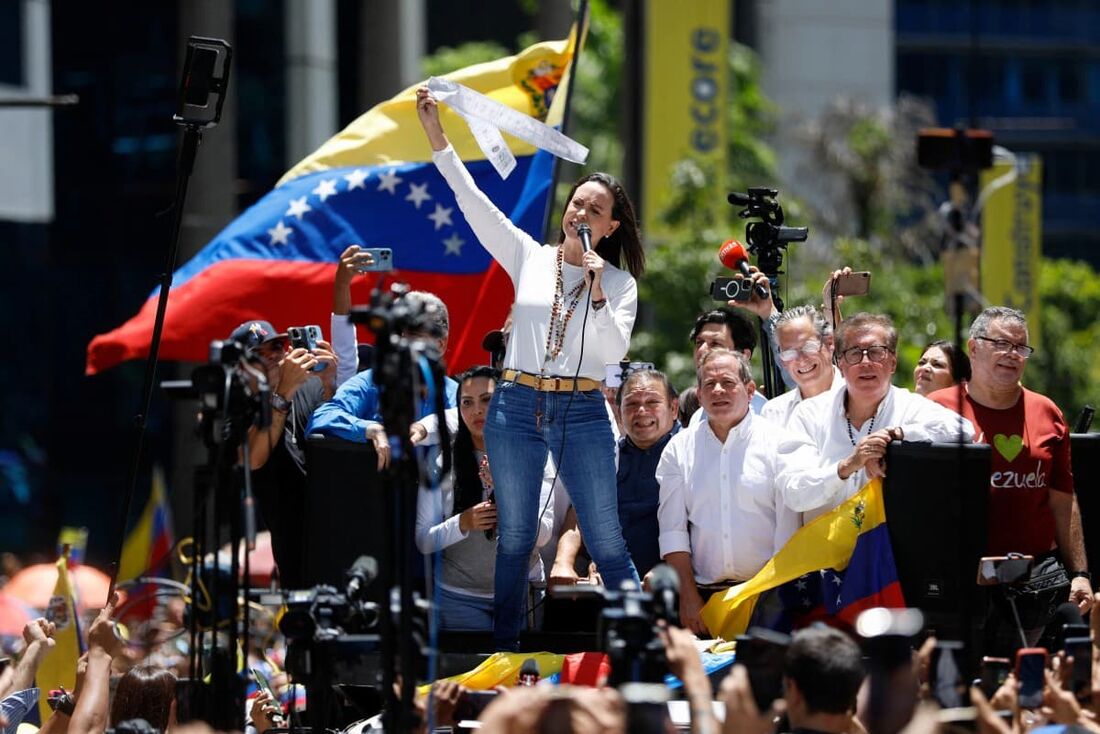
(960, 363)
(145, 692)
(625, 243)
(467, 478)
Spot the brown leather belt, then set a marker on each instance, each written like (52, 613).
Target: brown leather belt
(550, 384)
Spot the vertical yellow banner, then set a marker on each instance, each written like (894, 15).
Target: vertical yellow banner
(686, 94)
(1012, 239)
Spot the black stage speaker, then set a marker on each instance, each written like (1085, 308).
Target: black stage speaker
(347, 515)
(937, 508)
(1085, 455)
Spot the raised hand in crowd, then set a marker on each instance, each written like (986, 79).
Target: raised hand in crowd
(684, 662)
(325, 355)
(762, 306)
(38, 637)
(742, 714)
(555, 708)
(428, 112)
(444, 696)
(832, 306)
(294, 370)
(351, 260)
(93, 704)
(265, 712)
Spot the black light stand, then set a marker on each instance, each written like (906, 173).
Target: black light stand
(767, 239)
(205, 74)
(234, 396)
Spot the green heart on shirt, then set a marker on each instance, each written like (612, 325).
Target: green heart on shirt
(1008, 446)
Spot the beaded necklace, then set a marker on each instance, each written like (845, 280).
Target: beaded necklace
(869, 428)
(559, 313)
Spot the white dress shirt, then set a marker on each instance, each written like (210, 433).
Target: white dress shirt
(779, 410)
(734, 504)
(823, 421)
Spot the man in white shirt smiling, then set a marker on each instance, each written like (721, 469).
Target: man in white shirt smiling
(731, 488)
(806, 352)
(852, 425)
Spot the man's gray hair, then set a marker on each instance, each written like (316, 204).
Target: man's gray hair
(431, 306)
(981, 324)
(861, 322)
(743, 370)
(817, 320)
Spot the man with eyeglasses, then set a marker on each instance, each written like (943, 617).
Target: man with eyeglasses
(852, 425)
(1032, 505)
(806, 352)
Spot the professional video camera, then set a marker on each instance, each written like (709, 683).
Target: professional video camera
(627, 629)
(232, 392)
(769, 237)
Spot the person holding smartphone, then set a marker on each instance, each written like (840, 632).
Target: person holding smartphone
(460, 519)
(574, 313)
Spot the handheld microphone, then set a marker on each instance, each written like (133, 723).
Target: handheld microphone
(585, 233)
(732, 254)
(528, 673)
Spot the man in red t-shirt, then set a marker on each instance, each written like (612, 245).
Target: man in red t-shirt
(1032, 505)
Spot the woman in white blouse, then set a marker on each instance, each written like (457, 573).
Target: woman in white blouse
(460, 519)
(573, 314)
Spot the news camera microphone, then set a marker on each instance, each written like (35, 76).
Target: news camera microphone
(732, 254)
(360, 576)
(528, 673)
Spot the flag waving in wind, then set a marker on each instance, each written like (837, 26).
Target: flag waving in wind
(833, 568)
(372, 184)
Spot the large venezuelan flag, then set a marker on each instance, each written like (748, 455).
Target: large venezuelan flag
(372, 184)
(834, 568)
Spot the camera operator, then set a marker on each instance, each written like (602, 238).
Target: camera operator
(731, 488)
(277, 453)
(353, 413)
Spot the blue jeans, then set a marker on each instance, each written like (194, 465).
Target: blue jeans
(517, 451)
(462, 611)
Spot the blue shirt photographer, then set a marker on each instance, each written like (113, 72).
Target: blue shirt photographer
(356, 405)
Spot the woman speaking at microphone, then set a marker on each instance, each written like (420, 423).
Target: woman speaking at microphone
(573, 314)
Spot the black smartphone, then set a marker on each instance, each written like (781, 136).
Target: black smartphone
(945, 674)
(731, 289)
(1080, 649)
(4, 663)
(762, 652)
(994, 673)
(1031, 662)
(306, 337)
